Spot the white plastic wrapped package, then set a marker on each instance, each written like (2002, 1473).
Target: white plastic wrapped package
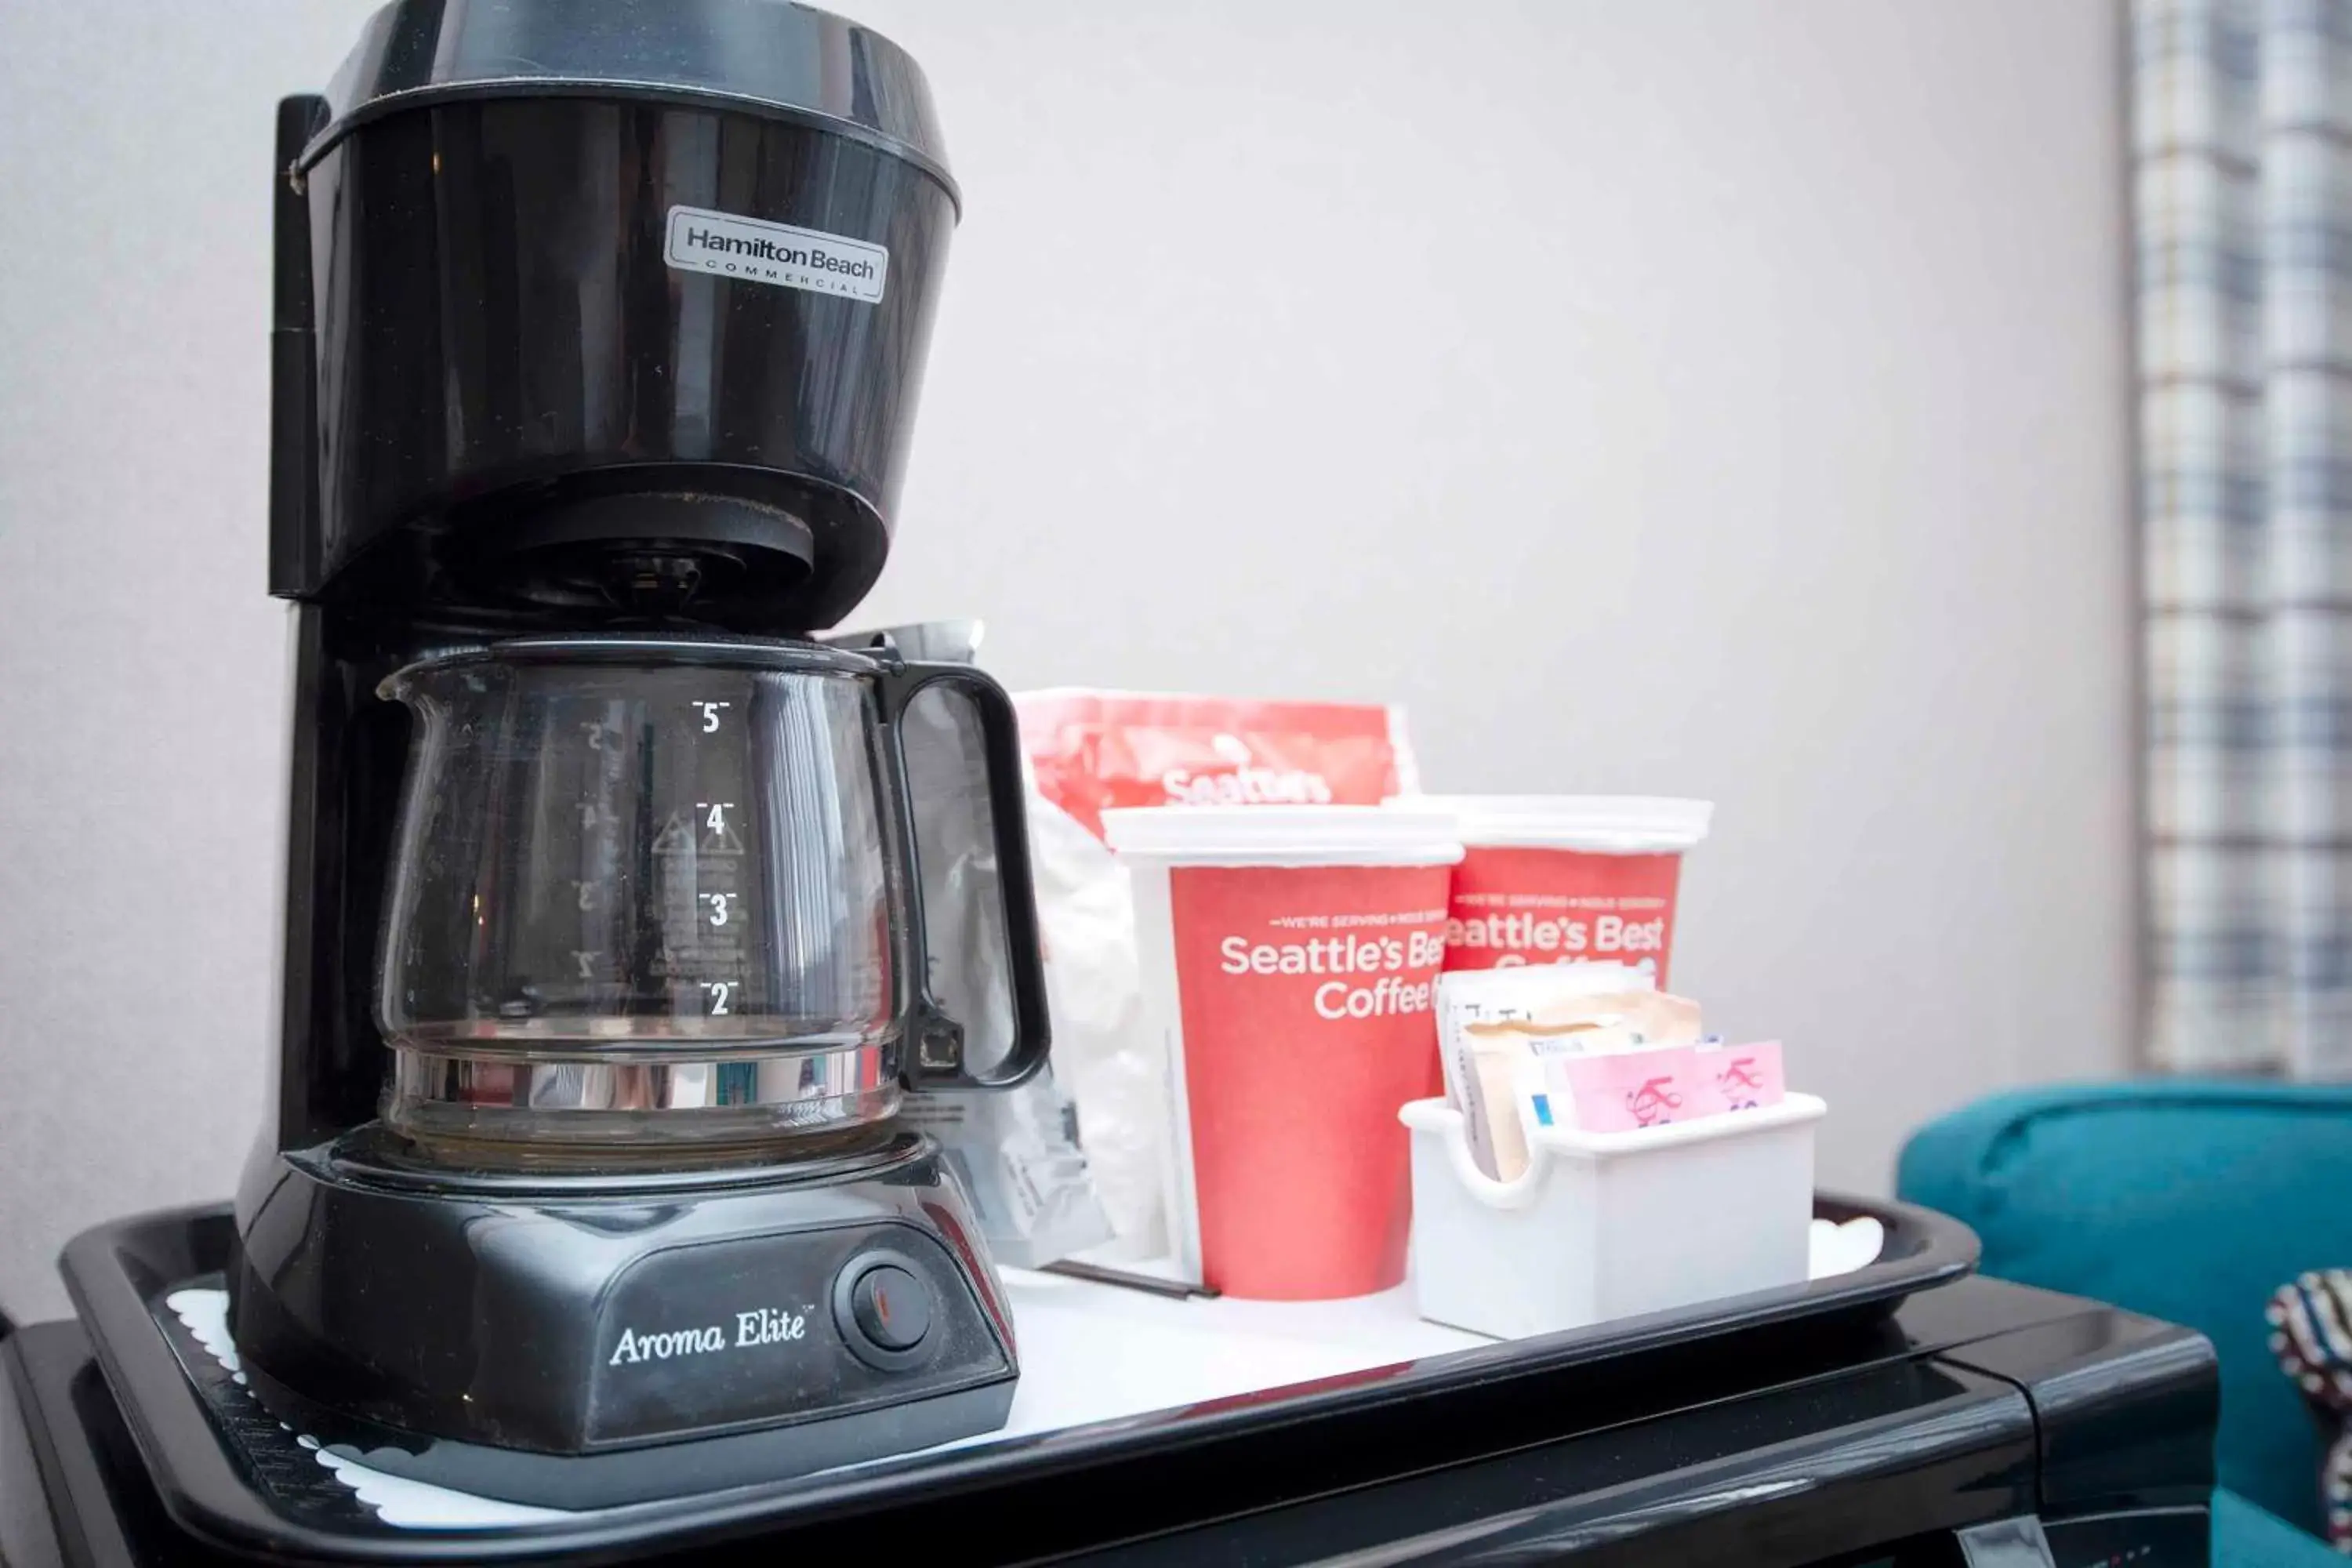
(1115, 1071)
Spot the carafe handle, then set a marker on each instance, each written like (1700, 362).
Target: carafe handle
(934, 1056)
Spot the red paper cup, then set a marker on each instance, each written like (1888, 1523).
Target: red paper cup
(1566, 878)
(1290, 957)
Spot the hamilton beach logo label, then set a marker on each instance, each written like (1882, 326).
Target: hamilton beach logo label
(727, 245)
(760, 1326)
(1240, 783)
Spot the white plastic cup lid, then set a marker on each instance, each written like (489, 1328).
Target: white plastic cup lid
(1604, 823)
(1285, 835)
(1517, 983)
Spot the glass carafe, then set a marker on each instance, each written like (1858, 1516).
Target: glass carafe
(651, 891)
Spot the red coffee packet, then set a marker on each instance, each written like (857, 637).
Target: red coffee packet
(1092, 750)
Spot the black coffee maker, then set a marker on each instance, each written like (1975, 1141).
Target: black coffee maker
(599, 325)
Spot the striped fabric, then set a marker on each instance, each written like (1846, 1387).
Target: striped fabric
(2311, 1335)
(2242, 164)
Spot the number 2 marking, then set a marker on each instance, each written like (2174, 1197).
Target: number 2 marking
(587, 963)
(722, 991)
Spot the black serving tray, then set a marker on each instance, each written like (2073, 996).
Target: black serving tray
(229, 1474)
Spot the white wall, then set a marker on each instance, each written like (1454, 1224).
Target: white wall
(1707, 395)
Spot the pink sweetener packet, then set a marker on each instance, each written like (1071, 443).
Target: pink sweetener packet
(1740, 1077)
(1625, 1089)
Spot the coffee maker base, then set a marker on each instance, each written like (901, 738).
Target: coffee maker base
(579, 1339)
(692, 1467)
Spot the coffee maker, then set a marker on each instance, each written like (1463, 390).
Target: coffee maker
(598, 330)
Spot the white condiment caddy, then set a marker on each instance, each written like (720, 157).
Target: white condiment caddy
(1608, 1225)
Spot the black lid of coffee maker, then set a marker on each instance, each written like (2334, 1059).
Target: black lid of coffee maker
(772, 56)
(593, 307)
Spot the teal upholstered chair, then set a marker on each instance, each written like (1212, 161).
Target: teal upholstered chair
(2188, 1201)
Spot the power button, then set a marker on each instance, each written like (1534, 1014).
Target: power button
(884, 1308)
(891, 1307)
